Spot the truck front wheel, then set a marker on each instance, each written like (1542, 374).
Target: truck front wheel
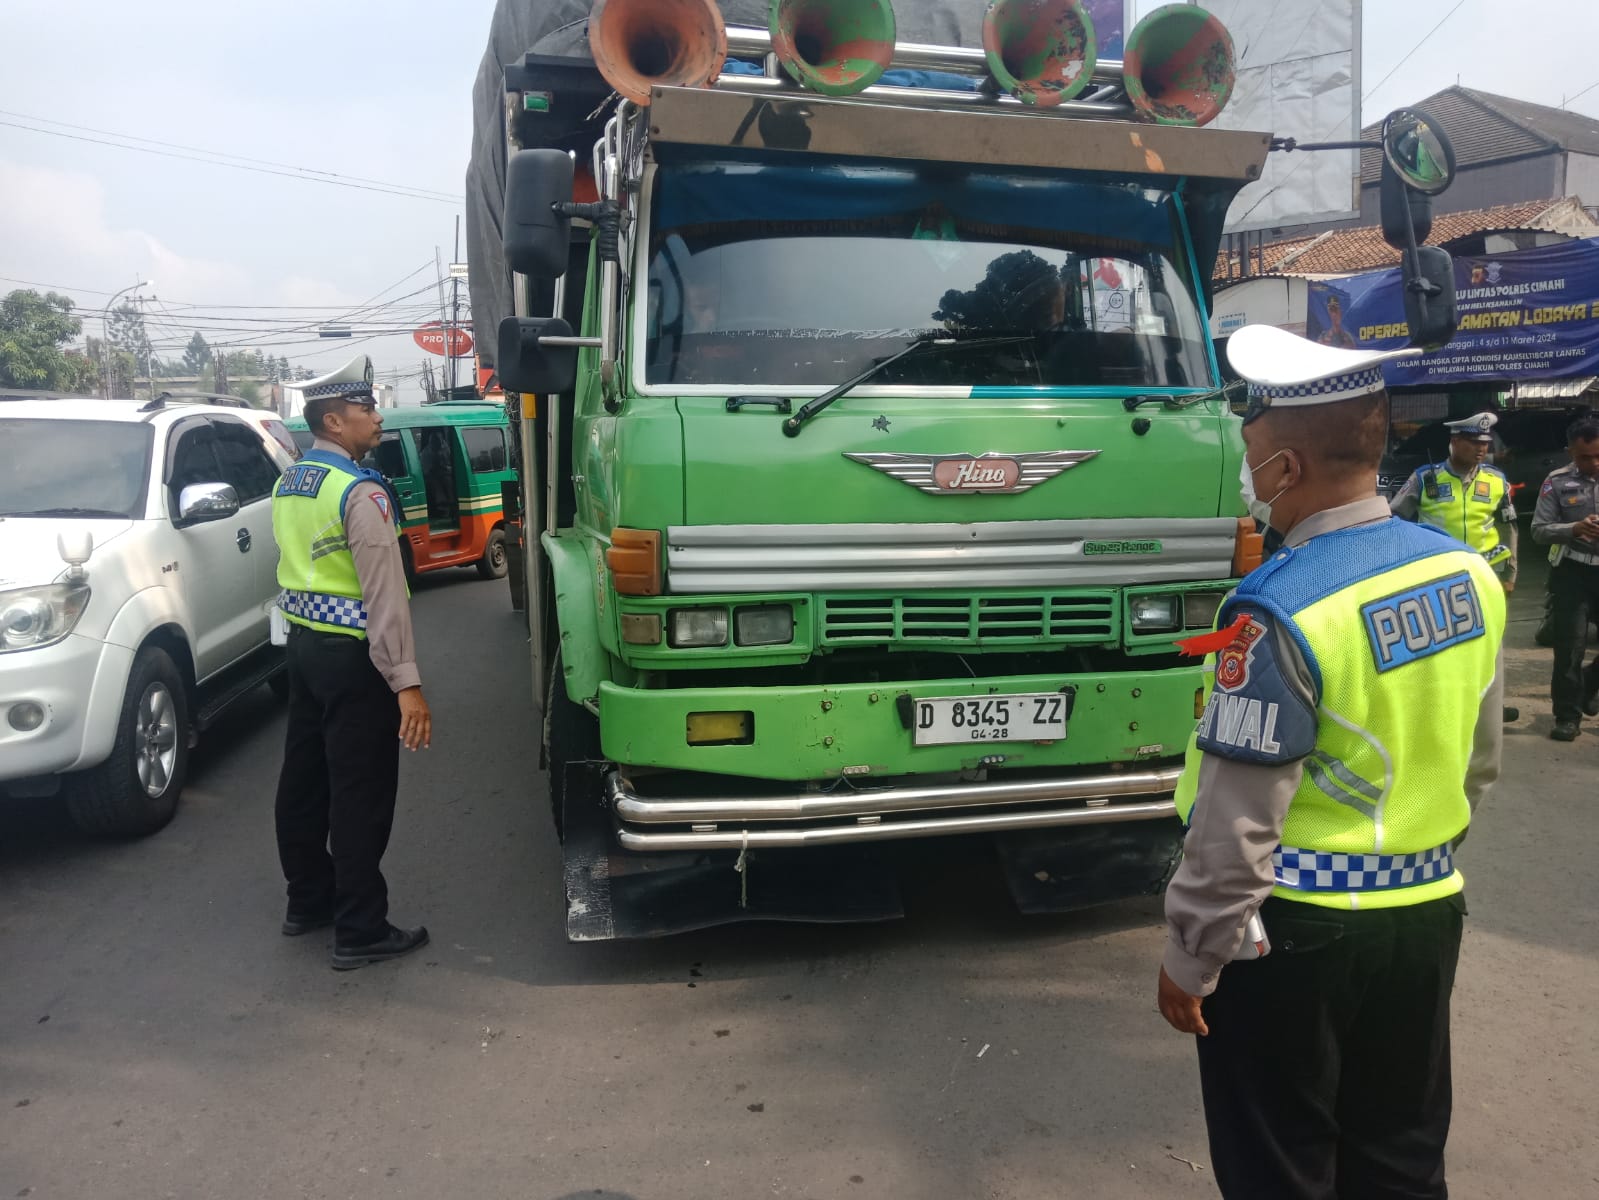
(571, 748)
(135, 791)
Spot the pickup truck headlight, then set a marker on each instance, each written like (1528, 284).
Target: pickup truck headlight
(40, 616)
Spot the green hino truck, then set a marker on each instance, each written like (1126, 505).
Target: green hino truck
(874, 459)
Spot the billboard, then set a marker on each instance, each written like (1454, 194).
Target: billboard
(1299, 77)
(1524, 316)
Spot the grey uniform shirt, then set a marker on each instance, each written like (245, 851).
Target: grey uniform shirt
(1237, 820)
(1407, 504)
(374, 544)
(1567, 496)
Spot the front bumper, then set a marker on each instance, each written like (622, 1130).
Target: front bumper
(846, 817)
(859, 731)
(79, 682)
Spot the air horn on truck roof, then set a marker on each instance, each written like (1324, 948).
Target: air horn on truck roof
(1179, 67)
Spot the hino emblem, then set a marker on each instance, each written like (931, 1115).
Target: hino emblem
(990, 474)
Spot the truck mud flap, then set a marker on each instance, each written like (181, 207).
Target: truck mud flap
(1061, 870)
(613, 894)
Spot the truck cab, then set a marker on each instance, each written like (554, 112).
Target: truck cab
(883, 461)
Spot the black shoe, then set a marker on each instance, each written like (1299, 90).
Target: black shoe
(397, 943)
(294, 924)
(1590, 704)
(1565, 731)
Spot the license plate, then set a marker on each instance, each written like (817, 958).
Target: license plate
(1038, 717)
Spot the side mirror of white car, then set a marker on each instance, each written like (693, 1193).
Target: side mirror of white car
(207, 502)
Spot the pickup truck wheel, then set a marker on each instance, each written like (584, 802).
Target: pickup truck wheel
(571, 740)
(135, 791)
(492, 564)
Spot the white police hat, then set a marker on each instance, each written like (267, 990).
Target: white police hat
(352, 381)
(1479, 428)
(1287, 371)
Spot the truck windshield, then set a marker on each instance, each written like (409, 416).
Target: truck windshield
(801, 276)
(74, 468)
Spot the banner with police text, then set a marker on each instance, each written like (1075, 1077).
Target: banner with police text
(1527, 315)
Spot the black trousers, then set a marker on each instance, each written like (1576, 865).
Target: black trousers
(341, 766)
(1326, 1072)
(1574, 589)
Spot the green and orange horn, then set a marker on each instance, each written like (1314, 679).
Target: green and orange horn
(1040, 51)
(1179, 67)
(836, 47)
(638, 44)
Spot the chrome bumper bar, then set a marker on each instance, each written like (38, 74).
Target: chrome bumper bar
(865, 812)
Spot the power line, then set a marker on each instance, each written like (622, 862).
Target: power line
(436, 198)
(1413, 49)
(1573, 99)
(243, 158)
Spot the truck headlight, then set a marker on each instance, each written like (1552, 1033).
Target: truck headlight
(1155, 614)
(764, 625)
(698, 627)
(1199, 609)
(40, 616)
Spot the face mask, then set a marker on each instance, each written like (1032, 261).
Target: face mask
(1258, 508)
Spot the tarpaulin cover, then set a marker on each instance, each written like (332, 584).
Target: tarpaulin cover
(1526, 315)
(559, 27)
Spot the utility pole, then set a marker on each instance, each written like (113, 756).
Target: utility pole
(455, 306)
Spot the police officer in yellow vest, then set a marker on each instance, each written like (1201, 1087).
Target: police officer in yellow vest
(1467, 498)
(1352, 727)
(354, 692)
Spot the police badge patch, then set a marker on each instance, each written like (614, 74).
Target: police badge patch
(382, 502)
(1233, 661)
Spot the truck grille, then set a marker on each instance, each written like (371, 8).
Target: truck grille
(1079, 617)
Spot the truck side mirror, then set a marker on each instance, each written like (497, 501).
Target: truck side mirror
(529, 366)
(1419, 163)
(1430, 307)
(537, 235)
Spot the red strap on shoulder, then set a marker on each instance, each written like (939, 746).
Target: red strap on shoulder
(1210, 643)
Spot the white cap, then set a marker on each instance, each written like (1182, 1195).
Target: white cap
(1285, 370)
(350, 382)
(1478, 428)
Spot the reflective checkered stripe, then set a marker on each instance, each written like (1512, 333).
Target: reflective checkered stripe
(322, 609)
(1315, 871)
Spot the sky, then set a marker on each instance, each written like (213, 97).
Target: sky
(382, 91)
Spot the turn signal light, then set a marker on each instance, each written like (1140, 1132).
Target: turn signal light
(635, 561)
(1249, 548)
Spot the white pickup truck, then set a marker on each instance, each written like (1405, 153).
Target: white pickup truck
(137, 575)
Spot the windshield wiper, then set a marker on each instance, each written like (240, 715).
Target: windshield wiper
(67, 512)
(794, 424)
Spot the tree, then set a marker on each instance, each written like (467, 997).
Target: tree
(125, 330)
(197, 354)
(34, 332)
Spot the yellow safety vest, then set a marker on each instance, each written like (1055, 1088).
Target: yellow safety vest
(1399, 630)
(1467, 510)
(316, 571)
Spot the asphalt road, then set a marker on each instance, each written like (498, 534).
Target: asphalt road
(158, 1038)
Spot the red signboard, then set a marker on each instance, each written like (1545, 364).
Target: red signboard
(431, 338)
